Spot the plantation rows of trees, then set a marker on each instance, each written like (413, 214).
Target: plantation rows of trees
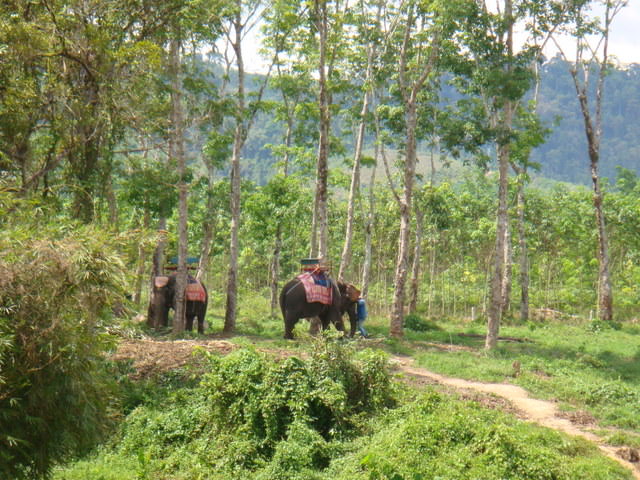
(109, 116)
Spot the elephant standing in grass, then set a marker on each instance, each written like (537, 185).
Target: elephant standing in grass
(294, 306)
(163, 299)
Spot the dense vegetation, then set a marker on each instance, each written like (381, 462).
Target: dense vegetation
(330, 416)
(335, 415)
(57, 393)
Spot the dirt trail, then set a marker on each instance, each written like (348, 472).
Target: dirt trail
(542, 412)
(153, 356)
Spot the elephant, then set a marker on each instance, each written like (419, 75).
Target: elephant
(294, 306)
(163, 298)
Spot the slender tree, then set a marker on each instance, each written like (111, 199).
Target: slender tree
(592, 59)
(243, 18)
(371, 34)
(178, 154)
(500, 78)
(420, 42)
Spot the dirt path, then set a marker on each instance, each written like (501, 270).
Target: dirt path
(542, 412)
(153, 356)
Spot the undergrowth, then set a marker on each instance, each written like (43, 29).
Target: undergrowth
(334, 415)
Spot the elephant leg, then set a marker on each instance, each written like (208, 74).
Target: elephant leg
(325, 322)
(353, 321)
(289, 322)
(315, 324)
(200, 316)
(189, 322)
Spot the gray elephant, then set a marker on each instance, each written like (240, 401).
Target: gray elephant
(163, 298)
(294, 306)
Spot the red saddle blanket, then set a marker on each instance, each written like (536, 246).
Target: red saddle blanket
(195, 293)
(316, 292)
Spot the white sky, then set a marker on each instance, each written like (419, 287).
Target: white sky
(624, 40)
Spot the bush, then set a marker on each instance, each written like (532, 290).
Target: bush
(56, 290)
(416, 323)
(253, 417)
(438, 437)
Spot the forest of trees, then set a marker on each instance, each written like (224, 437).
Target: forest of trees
(378, 128)
(561, 156)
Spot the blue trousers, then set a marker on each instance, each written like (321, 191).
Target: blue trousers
(362, 316)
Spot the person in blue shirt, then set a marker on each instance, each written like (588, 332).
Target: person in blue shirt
(361, 310)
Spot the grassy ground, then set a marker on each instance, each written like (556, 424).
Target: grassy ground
(590, 369)
(593, 372)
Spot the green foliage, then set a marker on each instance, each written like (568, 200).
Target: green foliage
(325, 392)
(416, 323)
(57, 288)
(561, 362)
(255, 417)
(437, 437)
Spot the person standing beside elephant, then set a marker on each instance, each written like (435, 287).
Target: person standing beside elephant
(361, 310)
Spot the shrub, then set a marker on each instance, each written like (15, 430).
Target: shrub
(55, 297)
(416, 323)
(264, 418)
(438, 437)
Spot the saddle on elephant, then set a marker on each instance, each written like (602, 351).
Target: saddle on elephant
(316, 281)
(195, 292)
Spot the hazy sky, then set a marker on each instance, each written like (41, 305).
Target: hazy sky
(624, 42)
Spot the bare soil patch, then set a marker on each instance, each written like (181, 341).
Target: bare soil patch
(153, 357)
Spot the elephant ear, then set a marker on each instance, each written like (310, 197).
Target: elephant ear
(161, 281)
(352, 292)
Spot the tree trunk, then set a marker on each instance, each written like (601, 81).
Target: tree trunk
(415, 267)
(178, 133)
(208, 234)
(397, 314)
(593, 133)
(504, 156)
(432, 273)
(238, 143)
(142, 260)
(524, 255)
(232, 277)
(605, 297)
(495, 307)
(275, 271)
(507, 274)
(345, 259)
(112, 203)
(325, 125)
(355, 175)
(366, 269)
(157, 268)
(275, 261)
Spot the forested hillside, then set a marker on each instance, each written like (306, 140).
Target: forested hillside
(563, 154)
(561, 157)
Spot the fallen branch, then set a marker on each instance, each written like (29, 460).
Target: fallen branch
(505, 339)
